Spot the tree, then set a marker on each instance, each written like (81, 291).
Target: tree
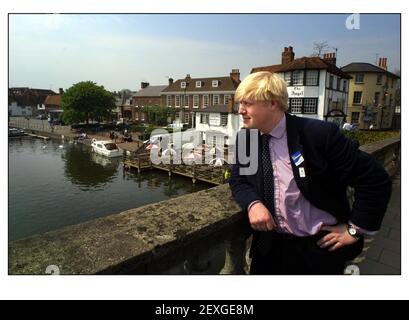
(319, 48)
(158, 115)
(86, 100)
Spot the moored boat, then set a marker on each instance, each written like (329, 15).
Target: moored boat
(106, 148)
(15, 132)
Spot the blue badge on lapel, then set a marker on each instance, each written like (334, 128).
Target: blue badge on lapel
(297, 158)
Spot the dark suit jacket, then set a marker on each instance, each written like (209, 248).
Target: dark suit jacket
(332, 162)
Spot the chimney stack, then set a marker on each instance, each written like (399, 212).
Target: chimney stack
(187, 78)
(235, 75)
(383, 63)
(61, 91)
(170, 81)
(287, 55)
(144, 85)
(331, 58)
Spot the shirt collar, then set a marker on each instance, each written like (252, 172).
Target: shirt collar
(279, 130)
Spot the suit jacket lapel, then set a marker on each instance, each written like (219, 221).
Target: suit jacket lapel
(294, 146)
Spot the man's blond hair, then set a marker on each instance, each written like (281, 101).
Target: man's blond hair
(263, 86)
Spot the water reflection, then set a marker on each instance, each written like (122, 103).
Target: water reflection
(105, 161)
(88, 170)
(53, 187)
(154, 179)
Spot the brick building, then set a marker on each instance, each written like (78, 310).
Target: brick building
(24, 101)
(147, 96)
(189, 95)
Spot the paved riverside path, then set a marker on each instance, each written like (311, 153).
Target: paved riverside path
(382, 253)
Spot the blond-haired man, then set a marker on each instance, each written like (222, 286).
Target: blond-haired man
(296, 202)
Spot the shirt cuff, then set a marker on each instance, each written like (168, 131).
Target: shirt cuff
(361, 230)
(251, 204)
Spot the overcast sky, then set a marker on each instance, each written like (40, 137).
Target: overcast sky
(120, 50)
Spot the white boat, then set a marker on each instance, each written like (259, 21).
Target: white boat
(106, 148)
(14, 132)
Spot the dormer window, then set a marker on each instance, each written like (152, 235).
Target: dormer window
(215, 83)
(183, 84)
(198, 84)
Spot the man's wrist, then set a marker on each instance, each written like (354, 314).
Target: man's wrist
(353, 231)
(252, 204)
(361, 231)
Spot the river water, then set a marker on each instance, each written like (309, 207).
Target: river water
(54, 184)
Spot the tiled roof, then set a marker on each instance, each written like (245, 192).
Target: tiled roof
(225, 84)
(366, 67)
(54, 100)
(23, 100)
(22, 90)
(273, 68)
(126, 93)
(304, 63)
(150, 91)
(25, 96)
(43, 91)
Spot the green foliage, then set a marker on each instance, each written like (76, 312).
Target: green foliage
(158, 115)
(86, 100)
(138, 128)
(366, 137)
(148, 130)
(145, 131)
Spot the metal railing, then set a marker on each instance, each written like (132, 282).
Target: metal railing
(36, 124)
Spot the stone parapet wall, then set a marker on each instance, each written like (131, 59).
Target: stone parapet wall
(185, 235)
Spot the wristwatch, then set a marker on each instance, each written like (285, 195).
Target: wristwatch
(353, 231)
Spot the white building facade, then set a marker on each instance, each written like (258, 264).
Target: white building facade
(16, 110)
(318, 95)
(217, 125)
(316, 87)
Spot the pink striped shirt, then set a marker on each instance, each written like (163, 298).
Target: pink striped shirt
(293, 213)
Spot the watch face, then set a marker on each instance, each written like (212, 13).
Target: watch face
(352, 231)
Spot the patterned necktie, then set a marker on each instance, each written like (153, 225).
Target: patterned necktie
(265, 239)
(268, 176)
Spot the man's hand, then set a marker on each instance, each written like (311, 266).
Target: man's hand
(261, 218)
(337, 238)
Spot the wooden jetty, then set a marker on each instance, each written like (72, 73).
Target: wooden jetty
(37, 136)
(197, 172)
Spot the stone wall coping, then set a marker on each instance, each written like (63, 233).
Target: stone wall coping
(127, 241)
(135, 240)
